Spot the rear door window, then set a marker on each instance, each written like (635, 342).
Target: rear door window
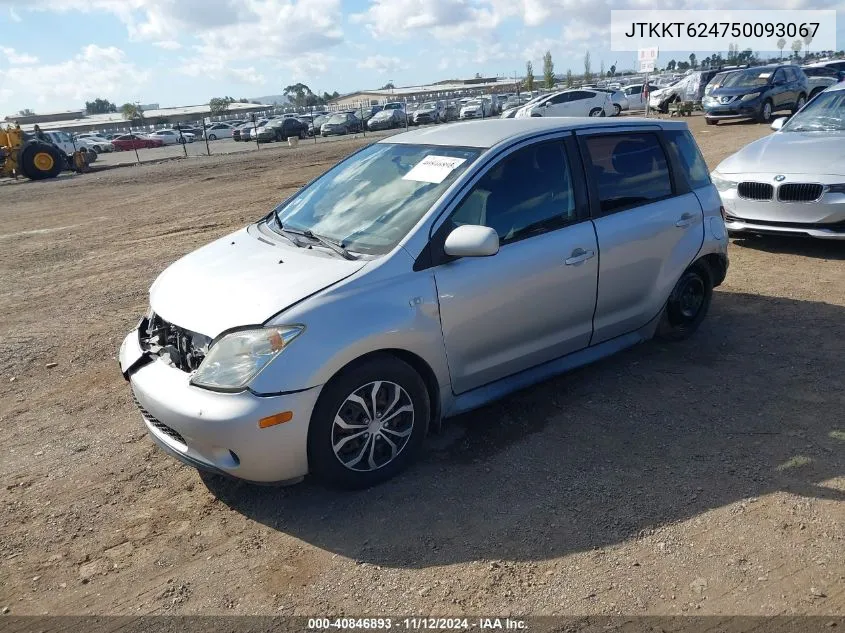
(681, 143)
(629, 170)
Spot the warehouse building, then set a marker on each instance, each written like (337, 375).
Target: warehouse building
(448, 89)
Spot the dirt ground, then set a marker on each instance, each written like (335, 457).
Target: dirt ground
(704, 477)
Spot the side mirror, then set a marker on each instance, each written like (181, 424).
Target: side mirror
(778, 123)
(472, 240)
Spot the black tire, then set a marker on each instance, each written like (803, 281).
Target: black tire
(597, 112)
(325, 464)
(302, 135)
(710, 121)
(765, 114)
(687, 304)
(802, 99)
(31, 161)
(816, 91)
(617, 109)
(212, 137)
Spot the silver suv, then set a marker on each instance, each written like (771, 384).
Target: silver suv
(423, 276)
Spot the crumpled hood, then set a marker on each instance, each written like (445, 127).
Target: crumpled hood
(790, 153)
(240, 280)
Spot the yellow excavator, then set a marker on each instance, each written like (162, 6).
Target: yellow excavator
(22, 154)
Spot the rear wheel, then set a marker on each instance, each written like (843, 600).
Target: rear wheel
(302, 134)
(368, 424)
(212, 137)
(617, 109)
(41, 160)
(597, 112)
(687, 305)
(711, 121)
(799, 104)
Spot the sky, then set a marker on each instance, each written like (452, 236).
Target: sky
(57, 54)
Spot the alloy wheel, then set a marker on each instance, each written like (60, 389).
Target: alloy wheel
(372, 426)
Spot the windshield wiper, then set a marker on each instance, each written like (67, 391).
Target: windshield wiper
(337, 247)
(287, 233)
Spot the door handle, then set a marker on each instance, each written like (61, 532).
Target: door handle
(684, 221)
(578, 256)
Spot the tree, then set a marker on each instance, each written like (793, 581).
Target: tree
(298, 94)
(26, 112)
(612, 71)
(132, 112)
(99, 106)
(568, 78)
(781, 44)
(220, 105)
(388, 86)
(588, 75)
(601, 68)
(796, 47)
(671, 65)
(548, 70)
(529, 76)
(692, 60)
(807, 40)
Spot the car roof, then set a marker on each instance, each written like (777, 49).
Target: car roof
(486, 134)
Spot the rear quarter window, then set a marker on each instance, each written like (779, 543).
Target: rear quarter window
(681, 143)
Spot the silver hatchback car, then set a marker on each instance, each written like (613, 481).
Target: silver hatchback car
(423, 276)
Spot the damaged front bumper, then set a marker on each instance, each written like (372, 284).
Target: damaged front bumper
(216, 431)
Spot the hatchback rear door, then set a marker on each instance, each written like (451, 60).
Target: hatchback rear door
(649, 225)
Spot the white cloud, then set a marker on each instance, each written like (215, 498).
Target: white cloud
(93, 72)
(381, 64)
(17, 59)
(14, 15)
(169, 45)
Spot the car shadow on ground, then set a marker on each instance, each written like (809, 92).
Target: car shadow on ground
(790, 245)
(655, 435)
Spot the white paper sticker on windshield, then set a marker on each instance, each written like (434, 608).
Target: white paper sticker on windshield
(765, 75)
(433, 169)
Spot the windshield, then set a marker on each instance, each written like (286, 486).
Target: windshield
(472, 104)
(429, 105)
(747, 78)
(825, 113)
(371, 200)
(337, 118)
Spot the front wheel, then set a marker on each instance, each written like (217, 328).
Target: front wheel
(368, 424)
(687, 305)
(711, 121)
(212, 137)
(765, 112)
(597, 112)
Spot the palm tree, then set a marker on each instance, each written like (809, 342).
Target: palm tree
(807, 40)
(796, 47)
(781, 44)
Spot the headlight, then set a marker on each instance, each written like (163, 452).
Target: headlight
(238, 357)
(750, 96)
(837, 188)
(722, 183)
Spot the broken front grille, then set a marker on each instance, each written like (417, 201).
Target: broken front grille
(800, 192)
(173, 434)
(755, 190)
(184, 349)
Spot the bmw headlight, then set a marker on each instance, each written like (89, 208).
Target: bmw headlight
(237, 358)
(722, 184)
(750, 96)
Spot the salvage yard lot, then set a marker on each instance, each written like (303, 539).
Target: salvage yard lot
(701, 477)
